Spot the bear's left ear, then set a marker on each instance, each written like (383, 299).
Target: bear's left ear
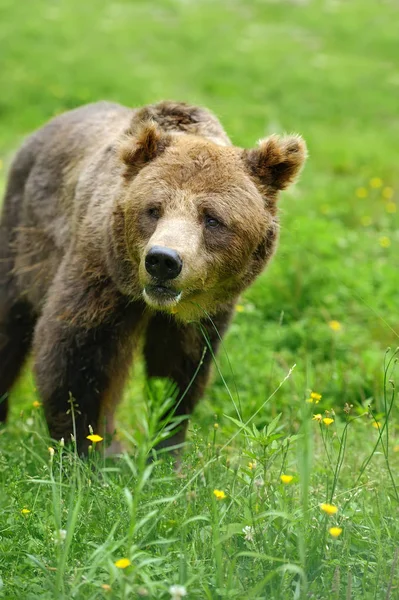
(141, 146)
(276, 162)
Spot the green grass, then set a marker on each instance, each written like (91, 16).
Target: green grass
(329, 70)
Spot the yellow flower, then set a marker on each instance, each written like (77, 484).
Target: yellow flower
(94, 438)
(25, 511)
(220, 495)
(329, 509)
(390, 207)
(122, 563)
(376, 424)
(385, 242)
(387, 193)
(106, 587)
(216, 425)
(361, 192)
(314, 397)
(51, 451)
(240, 308)
(36, 404)
(252, 465)
(286, 478)
(366, 221)
(327, 421)
(375, 182)
(335, 325)
(335, 531)
(317, 417)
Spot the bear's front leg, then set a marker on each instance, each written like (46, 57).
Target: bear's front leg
(83, 345)
(184, 354)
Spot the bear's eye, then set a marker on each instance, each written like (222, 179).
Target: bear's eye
(212, 222)
(154, 212)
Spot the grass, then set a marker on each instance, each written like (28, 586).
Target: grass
(330, 71)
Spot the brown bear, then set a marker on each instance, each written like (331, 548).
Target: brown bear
(122, 223)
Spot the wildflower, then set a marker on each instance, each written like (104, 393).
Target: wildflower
(252, 465)
(216, 425)
(376, 424)
(348, 408)
(329, 509)
(106, 587)
(36, 404)
(384, 241)
(335, 325)
(390, 207)
(366, 221)
(335, 531)
(327, 421)
(94, 438)
(51, 452)
(286, 478)
(62, 533)
(177, 591)
(62, 442)
(376, 182)
(317, 418)
(25, 511)
(314, 398)
(240, 308)
(220, 495)
(361, 192)
(248, 531)
(122, 563)
(387, 193)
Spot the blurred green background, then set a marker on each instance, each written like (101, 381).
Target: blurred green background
(327, 69)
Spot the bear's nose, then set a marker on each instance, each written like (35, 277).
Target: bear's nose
(163, 263)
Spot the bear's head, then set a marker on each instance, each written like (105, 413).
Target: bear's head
(199, 218)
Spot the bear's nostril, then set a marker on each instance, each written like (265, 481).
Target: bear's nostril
(163, 263)
(170, 264)
(153, 261)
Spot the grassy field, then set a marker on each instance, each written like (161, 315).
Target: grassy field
(319, 321)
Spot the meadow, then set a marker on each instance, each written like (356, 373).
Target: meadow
(289, 484)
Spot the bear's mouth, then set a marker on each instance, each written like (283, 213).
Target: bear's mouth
(161, 296)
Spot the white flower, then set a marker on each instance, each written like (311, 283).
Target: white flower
(63, 533)
(177, 591)
(249, 533)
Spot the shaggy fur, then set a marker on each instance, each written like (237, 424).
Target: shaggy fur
(88, 196)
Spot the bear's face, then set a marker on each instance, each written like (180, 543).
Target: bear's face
(198, 225)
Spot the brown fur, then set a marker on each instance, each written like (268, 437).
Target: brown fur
(88, 196)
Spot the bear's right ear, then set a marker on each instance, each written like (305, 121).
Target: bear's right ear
(141, 146)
